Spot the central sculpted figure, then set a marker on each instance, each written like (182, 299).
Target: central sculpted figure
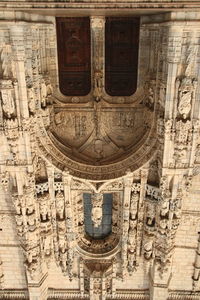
(96, 216)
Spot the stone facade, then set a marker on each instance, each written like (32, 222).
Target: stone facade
(54, 149)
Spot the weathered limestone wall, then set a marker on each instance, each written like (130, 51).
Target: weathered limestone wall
(11, 255)
(159, 219)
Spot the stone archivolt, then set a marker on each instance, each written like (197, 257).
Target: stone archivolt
(47, 170)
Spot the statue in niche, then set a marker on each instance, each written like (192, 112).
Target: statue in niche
(96, 216)
(150, 97)
(8, 104)
(31, 100)
(44, 208)
(43, 93)
(96, 212)
(164, 209)
(60, 205)
(150, 215)
(148, 249)
(49, 88)
(11, 128)
(185, 90)
(98, 85)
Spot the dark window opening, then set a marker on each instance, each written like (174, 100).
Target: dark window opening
(121, 56)
(105, 227)
(73, 40)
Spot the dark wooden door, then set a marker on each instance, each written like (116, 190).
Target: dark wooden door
(121, 51)
(73, 40)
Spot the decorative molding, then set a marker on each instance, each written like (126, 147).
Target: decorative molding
(14, 294)
(183, 295)
(65, 294)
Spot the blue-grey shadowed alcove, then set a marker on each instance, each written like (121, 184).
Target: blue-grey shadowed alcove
(105, 227)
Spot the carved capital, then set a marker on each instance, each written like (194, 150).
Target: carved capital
(97, 21)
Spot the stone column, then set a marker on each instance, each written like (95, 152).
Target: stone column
(70, 234)
(196, 275)
(38, 287)
(17, 34)
(159, 281)
(38, 281)
(18, 45)
(97, 29)
(173, 58)
(128, 180)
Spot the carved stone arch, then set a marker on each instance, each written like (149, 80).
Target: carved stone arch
(138, 152)
(102, 244)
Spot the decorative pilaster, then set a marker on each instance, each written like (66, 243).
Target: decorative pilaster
(128, 180)
(196, 275)
(17, 38)
(69, 221)
(97, 26)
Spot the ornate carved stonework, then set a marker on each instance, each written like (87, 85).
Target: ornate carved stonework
(99, 186)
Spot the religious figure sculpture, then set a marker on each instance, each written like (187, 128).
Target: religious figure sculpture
(96, 216)
(60, 204)
(96, 213)
(43, 92)
(8, 104)
(186, 88)
(31, 100)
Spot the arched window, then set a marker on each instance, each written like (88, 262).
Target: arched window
(121, 56)
(103, 214)
(73, 40)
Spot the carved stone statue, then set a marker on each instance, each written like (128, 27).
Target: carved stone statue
(11, 128)
(8, 104)
(186, 87)
(96, 213)
(31, 100)
(43, 93)
(60, 204)
(148, 249)
(98, 85)
(44, 208)
(96, 216)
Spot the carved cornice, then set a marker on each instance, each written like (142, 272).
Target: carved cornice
(14, 294)
(66, 294)
(129, 294)
(142, 5)
(183, 295)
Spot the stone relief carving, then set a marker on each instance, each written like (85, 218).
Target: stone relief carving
(5, 180)
(7, 103)
(185, 87)
(46, 90)
(46, 221)
(150, 98)
(31, 100)
(98, 85)
(5, 58)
